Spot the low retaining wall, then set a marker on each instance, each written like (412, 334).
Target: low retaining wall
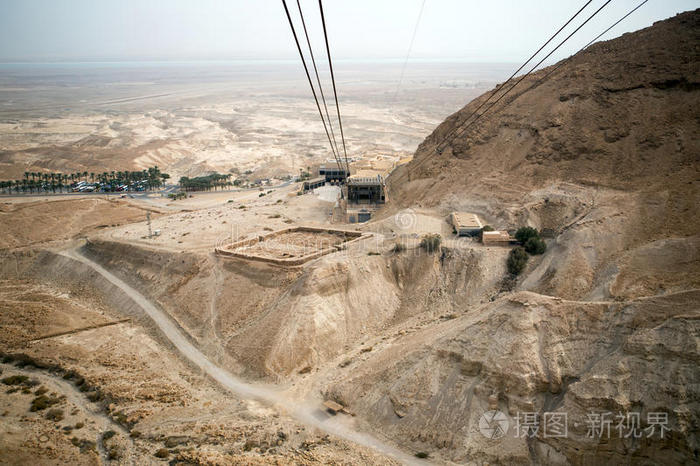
(229, 251)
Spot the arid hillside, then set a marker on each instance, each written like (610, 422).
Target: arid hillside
(623, 114)
(602, 154)
(127, 347)
(602, 157)
(38, 221)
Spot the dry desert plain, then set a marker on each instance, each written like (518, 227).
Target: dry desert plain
(120, 346)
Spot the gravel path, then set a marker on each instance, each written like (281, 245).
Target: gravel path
(306, 413)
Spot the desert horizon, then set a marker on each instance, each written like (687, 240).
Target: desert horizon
(198, 117)
(485, 259)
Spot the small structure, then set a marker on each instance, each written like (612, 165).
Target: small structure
(335, 408)
(292, 246)
(310, 185)
(366, 190)
(358, 216)
(496, 238)
(333, 173)
(465, 223)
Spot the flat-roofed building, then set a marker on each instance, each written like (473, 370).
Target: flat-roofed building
(496, 237)
(366, 190)
(465, 223)
(310, 185)
(333, 172)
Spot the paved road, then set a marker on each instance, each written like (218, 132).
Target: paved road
(310, 415)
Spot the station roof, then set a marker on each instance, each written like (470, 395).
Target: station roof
(332, 166)
(466, 220)
(318, 179)
(365, 180)
(496, 236)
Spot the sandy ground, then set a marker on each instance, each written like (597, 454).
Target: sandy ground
(109, 380)
(230, 119)
(222, 361)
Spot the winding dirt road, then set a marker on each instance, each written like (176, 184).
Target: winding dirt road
(304, 412)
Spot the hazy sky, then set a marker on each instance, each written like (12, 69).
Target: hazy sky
(472, 30)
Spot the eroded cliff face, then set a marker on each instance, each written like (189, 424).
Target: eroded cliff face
(603, 154)
(270, 322)
(528, 353)
(603, 158)
(622, 114)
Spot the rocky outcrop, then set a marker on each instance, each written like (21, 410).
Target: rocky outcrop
(527, 353)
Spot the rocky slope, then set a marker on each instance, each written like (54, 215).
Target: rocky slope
(267, 322)
(622, 114)
(603, 157)
(603, 154)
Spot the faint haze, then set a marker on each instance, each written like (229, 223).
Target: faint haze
(135, 30)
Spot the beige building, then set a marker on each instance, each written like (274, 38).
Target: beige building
(465, 223)
(496, 237)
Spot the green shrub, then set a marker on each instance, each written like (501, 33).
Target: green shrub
(120, 417)
(113, 453)
(95, 396)
(108, 435)
(162, 453)
(517, 259)
(15, 380)
(43, 402)
(398, 247)
(535, 245)
(84, 444)
(55, 414)
(421, 454)
(431, 242)
(525, 233)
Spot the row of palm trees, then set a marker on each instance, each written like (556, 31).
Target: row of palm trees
(41, 182)
(207, 183)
